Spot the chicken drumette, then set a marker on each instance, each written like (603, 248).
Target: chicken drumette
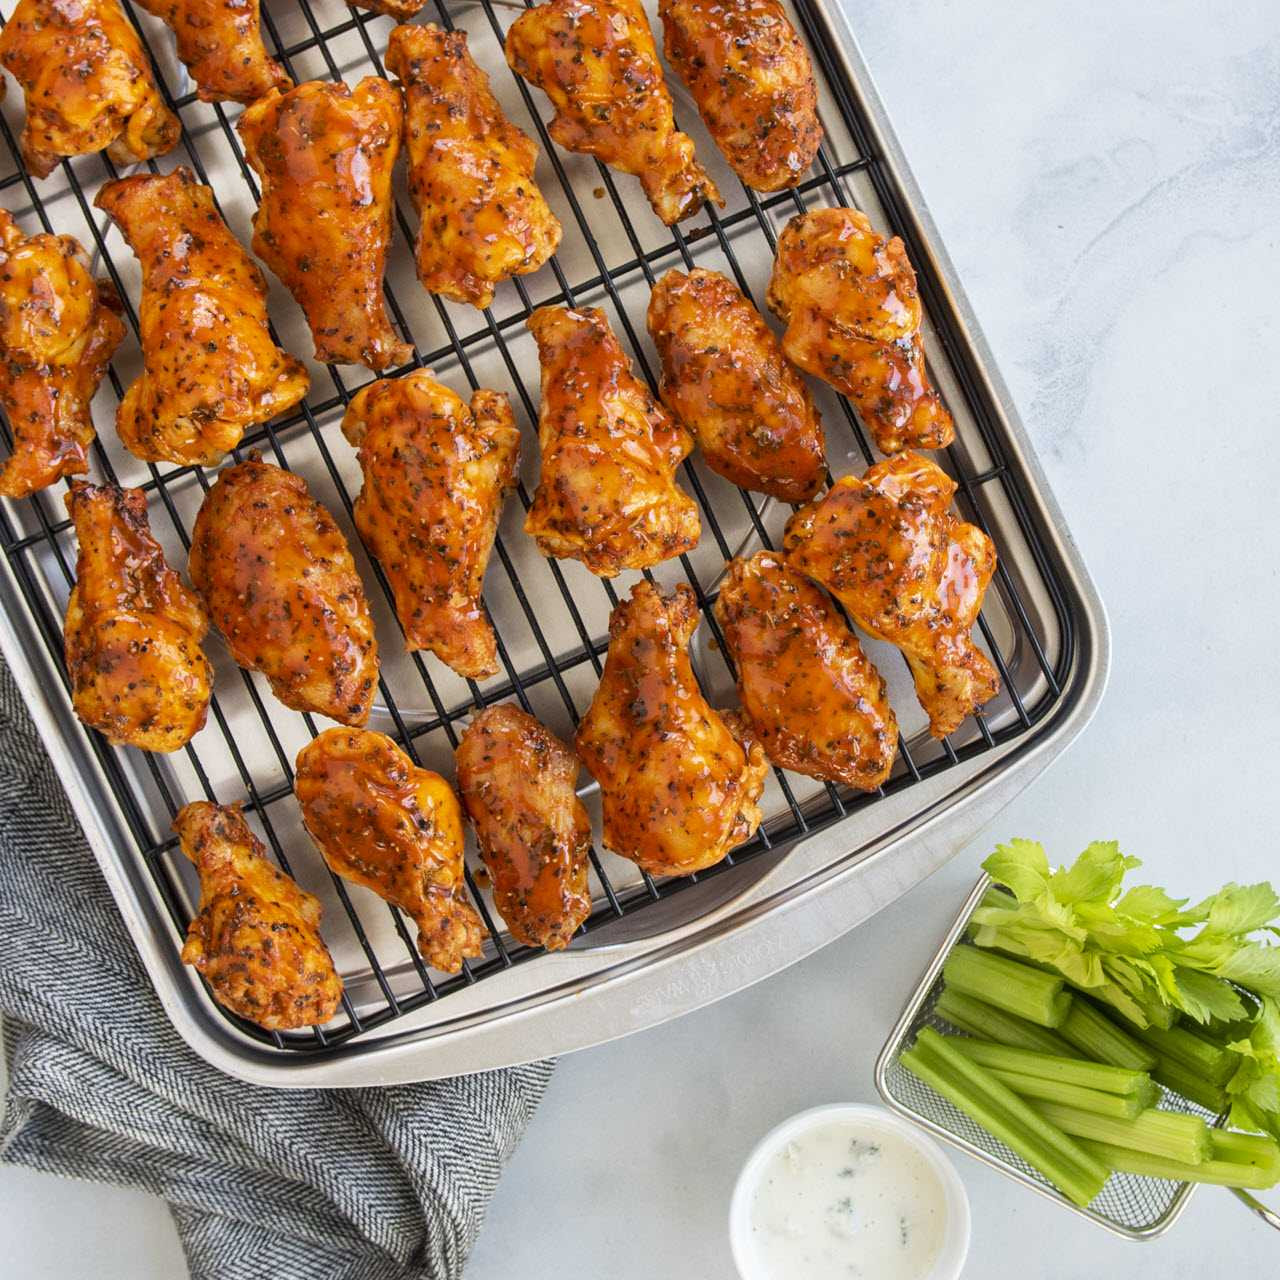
(910, 572)
(325, 153)
(725, 377)
(597, 62)
(58, 329)
(849, 300)
(133, 629)
(211, 368)
(383, 823)
(517, 781)
(607, 494)
(809, 693)
(88, 84)
(679, 782)
(256, 941)
(483, 218)
(280, 584)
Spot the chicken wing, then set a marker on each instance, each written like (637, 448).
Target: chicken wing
(809, 693)
(220, 44)
(597, 62)
(133, 629)
(517, 782)
(849, 300)
(725, 377)
(400, 10)
(383, 823)
(256, 941)
(88, 84)
(679, 782)
(749, 73)
(910, 572)
(280, 584)
(483, 218)
(607, 495)
(435, 474)
(325, 153)
(58, 330)
(211, 368)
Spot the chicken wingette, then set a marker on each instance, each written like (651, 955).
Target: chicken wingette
(133, 629)
(210, 366)
(725, 377)
(383, 823)
(597, 62)
(278, 579)
(325, 153)
(256, 940)
(680, 783)
(887, 546)
(607, 494)
(483, 219)
(58, 330)
(852, 309)
(517, 781)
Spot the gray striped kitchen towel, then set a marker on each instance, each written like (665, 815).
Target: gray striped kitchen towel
(363, 1184)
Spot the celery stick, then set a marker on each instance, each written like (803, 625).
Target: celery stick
(1222, 1173)
(1123, 1106)
(1210, 1062)
(1246, 1148)
(1181, 1079)
(1092, 1075)
(1016, 988)
(1091, 1031)
(1175, 1135)
(989, 1023)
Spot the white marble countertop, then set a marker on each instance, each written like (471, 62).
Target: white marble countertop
(1107, 180)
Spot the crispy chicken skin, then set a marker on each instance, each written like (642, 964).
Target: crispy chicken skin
(597, 62)
(211, 368)
(280, 584)
(849, 300)
(910, 572)
(220, 44)
(325, 153)
(435, 474)
(725, 377)
(256, 940)
(749, 73)
(517, 784)
(679, 782)
(809, 693)
(483, 218)
(607, 495)
(58, 329)
(88, 84)
(133, 629)
(383, 823)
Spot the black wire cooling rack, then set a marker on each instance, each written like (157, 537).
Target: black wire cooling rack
(551, 617)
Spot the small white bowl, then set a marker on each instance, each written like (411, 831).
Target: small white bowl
(950, 1258)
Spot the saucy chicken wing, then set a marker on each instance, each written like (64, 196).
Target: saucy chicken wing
(849, 300)
(383, 823)
(910, 572)
(88, 84)
(280, 584)
(400, 10)
(58, 330)
(133, 629)
(517, 783)
(597, 62)
(749, 73)
(220, 44)
(435, 474)
(210, 367)
(725, 377)
(607, 495)
(483, 219)
(679, 782)
(812, 697)
(256, 940)
(325, 153)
